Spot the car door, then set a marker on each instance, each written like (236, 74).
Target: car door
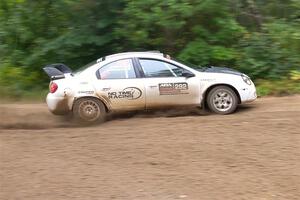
(165, 84)
(118, 83)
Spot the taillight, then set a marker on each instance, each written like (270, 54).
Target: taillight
(53, 87)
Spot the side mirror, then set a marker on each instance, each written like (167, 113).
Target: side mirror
(187, 74)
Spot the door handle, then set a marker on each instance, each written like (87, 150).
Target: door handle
(153, 86)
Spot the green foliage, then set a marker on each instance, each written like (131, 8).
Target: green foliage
(16, 82)
(278, 87)
(273, 53)
(295, 75)
(203, 32)
(258, 37)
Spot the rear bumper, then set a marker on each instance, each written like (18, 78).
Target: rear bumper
(58, 105)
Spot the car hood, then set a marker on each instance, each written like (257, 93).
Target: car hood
(223, 70)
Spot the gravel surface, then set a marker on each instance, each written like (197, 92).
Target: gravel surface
(252, 154)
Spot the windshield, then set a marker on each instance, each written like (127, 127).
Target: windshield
(187, 64)
(196, 67)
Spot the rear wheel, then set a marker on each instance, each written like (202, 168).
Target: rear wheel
(222, 100)
(89, 110)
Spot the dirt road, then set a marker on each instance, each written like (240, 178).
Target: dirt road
(252, 154)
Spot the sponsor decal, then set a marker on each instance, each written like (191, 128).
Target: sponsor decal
(173, 88)
(86, 92)
(130, 93)
(83, 83)
(207, 80)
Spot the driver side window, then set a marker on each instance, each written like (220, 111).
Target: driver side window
(156, 68)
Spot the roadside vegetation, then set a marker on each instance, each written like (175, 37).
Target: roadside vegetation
(258, 37)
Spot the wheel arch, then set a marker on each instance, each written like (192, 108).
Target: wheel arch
(91, 97)
(204, 102)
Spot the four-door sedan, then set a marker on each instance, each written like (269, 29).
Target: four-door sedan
(140, 81)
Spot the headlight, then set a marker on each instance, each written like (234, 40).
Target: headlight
(246, 79)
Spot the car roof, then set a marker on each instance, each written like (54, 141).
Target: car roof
(132, 54)
(144, 54)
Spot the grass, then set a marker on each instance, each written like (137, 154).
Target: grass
(278, 87)
(36, 95)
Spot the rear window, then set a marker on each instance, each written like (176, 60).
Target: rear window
(121, 69)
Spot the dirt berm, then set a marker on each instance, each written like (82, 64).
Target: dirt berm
(252, 154)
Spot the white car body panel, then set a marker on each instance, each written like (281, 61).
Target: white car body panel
(155, 98)
(142, 93)
(112, 89)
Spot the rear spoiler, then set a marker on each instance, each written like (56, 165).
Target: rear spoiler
(57, 71)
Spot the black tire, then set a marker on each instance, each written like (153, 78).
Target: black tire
(222, 100)
(89, 110)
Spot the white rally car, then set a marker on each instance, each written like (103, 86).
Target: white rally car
(141, 81)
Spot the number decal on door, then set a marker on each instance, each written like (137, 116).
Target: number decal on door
(173, 88)
(181, 86)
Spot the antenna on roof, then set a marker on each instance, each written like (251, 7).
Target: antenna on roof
(100, 59)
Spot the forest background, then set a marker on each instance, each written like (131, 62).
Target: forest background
(258, 37)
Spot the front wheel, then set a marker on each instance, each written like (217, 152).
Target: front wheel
(222, 100)
(89, 110)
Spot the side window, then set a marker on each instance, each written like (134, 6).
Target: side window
(156, 68)
(121, 69)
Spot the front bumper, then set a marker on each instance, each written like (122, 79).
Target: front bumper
(58, 105)
(248, 94)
